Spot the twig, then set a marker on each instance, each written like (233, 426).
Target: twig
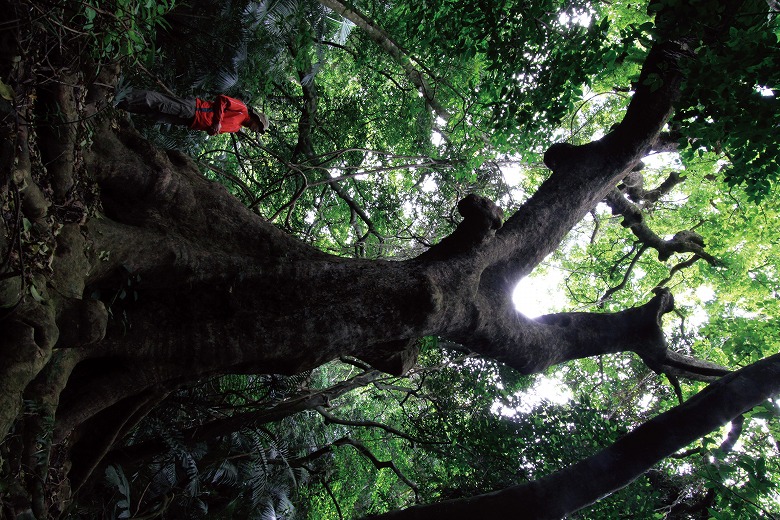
(363, 424)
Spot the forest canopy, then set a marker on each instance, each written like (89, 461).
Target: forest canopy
(490, 258)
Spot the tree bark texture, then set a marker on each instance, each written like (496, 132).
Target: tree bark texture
(218, 290)
(213, 289)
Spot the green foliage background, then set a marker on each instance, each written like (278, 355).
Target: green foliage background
(515, 76)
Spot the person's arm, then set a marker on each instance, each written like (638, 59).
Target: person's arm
(220, 104)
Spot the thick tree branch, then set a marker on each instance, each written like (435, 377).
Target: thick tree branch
(682, 242)
(481, 219)
(667, 142)
(634, 181)
(618, 465)
(530, 346)
(676, 364)
(678, 267)
(58, 108)
(582, 176)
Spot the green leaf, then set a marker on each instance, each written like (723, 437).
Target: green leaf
(35, 294)
(6, 92)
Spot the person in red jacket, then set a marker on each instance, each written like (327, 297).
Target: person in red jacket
(224, 114)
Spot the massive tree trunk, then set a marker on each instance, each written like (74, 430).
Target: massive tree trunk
(198, 285)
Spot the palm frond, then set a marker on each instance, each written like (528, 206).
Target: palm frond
(343, 31)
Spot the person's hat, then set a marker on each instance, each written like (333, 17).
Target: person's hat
(260, 117)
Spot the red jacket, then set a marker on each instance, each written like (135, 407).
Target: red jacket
(224, 114)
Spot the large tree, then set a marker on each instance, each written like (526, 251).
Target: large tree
(127, 274)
